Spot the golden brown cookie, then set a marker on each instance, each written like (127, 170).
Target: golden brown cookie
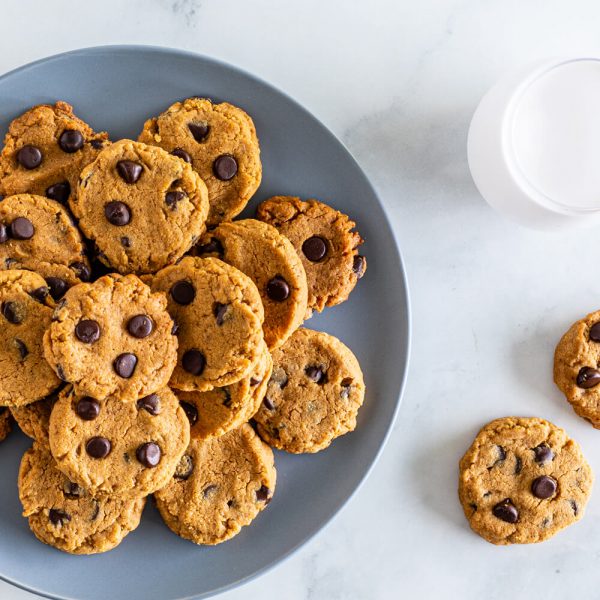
(62, 514)
(523, 480)
(5, 423)
(143, 207)
(269, 259)
(326, 242)
(219, 141)
(314, 393)
(218, 314)
(34, 419)
(118, 448)
(220, 486)
(44, 151)
(113, 336)
(25, 313)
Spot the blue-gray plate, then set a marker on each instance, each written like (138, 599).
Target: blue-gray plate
(115, 89)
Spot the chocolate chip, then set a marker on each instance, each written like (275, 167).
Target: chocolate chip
(61, 373)
(22, 348)
(129, 170)
(506, 511)
(501, 457)
(543, 453)
(268, 404)
(125, 364)
(316, 374)
(72, 490)
(359, 265)
(70, 140)
(574, 507)
(254, 381)
(87, 408)
(227, 394)
(263, 494)
(3, 233)
(172, 198)
(9, 262)
(57, 286)
(96, 512)
(148, 454)
(11, 312)
(125, 242)
(117, 213)
(518, 465)
(209, 489)
(150, 404)
(543, 487)
(278, 289)
(97, 144)
(183, 292)
(314, 248)
(230, 503)
(588, 377)
(193, 361)
(174, 329)
(29, 157)
(21, 229)
(212, 247)
(59, 192)
(81, 270)
(181, 153)
(58, 517)
(87, 331)
(219, 311)
(199, 131)
(190, 410)
(98, 447)
(595, 332)
(225, 167)
(140, 326)
(346, 386)
(40, 294)
(184, 468)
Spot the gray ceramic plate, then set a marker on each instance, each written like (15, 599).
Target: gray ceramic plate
(116, 89)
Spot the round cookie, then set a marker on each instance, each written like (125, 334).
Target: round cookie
(44, 151)
(64, 515)
(113, 336)
(220, 410)
(143, 207)
(218, 315)
(37, 234)
(219, 141)
(577, 367)
(5, 423)
(269, 259)
(326, 242)
(25, 313)
(314, 393)
(523, 480)
(34, 419)
(220, 485)
(119, 448)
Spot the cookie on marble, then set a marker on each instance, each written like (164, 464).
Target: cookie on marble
(269, 259)
(143, 207)
(523, 480)
(314, 393)
(222, 409)
(112, 337)
(64, 515)
(219, 315)
(25, 314)
(325, 240)
(111, 447)
(34, 419)
(5, 423)
(219, 141)
(221, 484)
(44, 151)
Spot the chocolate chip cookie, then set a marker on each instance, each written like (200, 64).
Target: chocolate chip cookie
(269, 259)
(314, 393)
(64, 515)
(577, 367)
(220, 410)
(25, 313)
(523, 480)
(221, 484)
(219, 141)
(113, 336)
(44, 151)
(326, 242)
(218, 315)
(143, 207)
(34, 419)
(37, 234)
(108, 446)
(5, 423)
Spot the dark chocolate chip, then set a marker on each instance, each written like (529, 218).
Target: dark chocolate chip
(172, 198)
(181, 153)
(183, 292)
(87, 408)
(316, 374)
(543, 487)
(97, 144)
(230, 503)
(184, 468)
(212, 247)
(29, 157)
(21, 229)
(268, 404)
(87, 331)
(10, 311)
(595, 332)
(199, 131)
(23, 350)
(125, 364)
(61, 373)
(358, 266)
(209, 489)
(227, 394)
(58, 517)
(9, 262)
(219, 311)
(59, 192)
(96, 512)
(140, 326)
(254, 381)
(98, 447)
(278, 289)
(72, 490)
(263, 494)
(149, 454)
(501, 457)
(81, 270)
(190, 410)
(314, 248)
(150, 404)
(588, 377)
(225, 167)
(57, 286)
(3, 233)
(40, 294)
(174, 329)
(117, 213)
(518, 465)
(346, 386)
(125, 242)
(193, 361)
(543, 453)
(506, 511)
(129, 170)
(574, 507)
(70, 140)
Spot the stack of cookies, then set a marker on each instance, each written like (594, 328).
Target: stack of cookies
(152, 345)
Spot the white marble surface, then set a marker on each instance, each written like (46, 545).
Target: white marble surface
(398, 82)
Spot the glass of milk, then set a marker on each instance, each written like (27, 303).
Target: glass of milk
(534, 144)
